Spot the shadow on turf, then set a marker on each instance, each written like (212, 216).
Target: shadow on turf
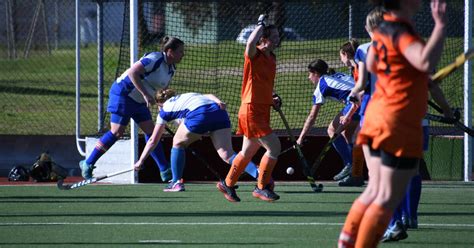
(92, 199)
(141, 243)
(324, 192)
(186, 214)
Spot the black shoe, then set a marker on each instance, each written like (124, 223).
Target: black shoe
(265, 194)
(351, 181)
(346, 171)
(395, 233)
(229, 192)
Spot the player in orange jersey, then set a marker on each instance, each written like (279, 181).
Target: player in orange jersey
(392, 131)
(258, 97)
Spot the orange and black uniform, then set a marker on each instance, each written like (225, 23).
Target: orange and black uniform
(257, 91)
(395, 112)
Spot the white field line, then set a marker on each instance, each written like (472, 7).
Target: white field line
(208, 224)
(160, 241)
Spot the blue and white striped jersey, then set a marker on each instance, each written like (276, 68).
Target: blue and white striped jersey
(157, 76)
(179, 106)
(336, 87)
(361, 55)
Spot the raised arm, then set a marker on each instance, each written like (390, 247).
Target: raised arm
(425, 57)
(251, 48)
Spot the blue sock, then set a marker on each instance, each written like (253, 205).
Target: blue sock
(251, 168)
(397, 215)
(158, 155)
(105, 142)
(178, 159)
(343, 149)
(413, 197)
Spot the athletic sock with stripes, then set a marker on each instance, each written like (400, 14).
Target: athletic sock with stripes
(348, 235)
(158, 155)
(102, 146)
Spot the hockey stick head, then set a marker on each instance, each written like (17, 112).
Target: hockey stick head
(62, 186)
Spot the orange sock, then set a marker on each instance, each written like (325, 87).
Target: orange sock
(236, 169)
(373, 226)
(357, 161)
(350, 229)
(265, 171)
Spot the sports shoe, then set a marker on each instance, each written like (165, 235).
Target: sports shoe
(86, 169)
(409, 223)
(265, 194)
(229, 192)
(351, 181)
(166, 175)
(395, 232)
(174, 187)
(346, 171)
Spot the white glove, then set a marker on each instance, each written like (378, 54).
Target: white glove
(262, 20)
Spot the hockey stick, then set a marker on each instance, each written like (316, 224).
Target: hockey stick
(457, 123)
(302, 159)
(326, 149)
(458, 62)
(327, 146)
(85, 182)
(199, 157)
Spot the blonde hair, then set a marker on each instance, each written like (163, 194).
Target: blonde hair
(374, 18)
(163, 95)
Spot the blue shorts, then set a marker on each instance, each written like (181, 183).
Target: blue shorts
(122, 108)
(345, 110)
(207, 118)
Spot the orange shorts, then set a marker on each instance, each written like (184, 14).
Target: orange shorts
(254, 120)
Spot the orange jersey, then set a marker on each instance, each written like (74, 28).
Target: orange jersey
(395, 112)
(355, 73)
(258, 78)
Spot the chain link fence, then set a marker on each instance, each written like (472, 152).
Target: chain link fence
(38, 69)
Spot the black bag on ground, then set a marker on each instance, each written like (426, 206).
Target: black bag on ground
(46, 170)
(19, 174)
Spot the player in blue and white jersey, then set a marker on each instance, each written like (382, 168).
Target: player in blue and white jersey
(197, 115)
(336, 86)
(130, 97)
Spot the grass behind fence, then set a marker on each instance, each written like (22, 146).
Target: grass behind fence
(38, 93)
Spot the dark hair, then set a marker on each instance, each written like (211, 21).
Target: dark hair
(170, 43)
(350, 47)
(387, 4)
(267, 31)
(318, 66)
